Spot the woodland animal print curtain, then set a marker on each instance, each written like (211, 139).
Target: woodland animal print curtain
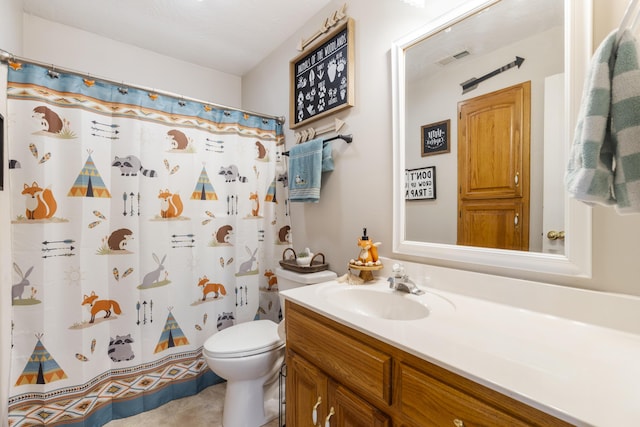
(141, 225)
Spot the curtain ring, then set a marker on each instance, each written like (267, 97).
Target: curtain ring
(52, 73)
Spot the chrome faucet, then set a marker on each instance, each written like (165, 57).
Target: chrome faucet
(400, 281)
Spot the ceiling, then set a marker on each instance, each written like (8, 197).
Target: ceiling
(231, 36)
(503, 23)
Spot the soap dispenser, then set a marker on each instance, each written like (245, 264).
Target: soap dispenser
(368, 250)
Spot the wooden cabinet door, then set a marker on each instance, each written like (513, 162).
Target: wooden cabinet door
(308, 388)
(352, 411)
(428, 402)
(366, 370)
(493, 161)
(305, 385)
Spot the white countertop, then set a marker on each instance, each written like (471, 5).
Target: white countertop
(585, 374)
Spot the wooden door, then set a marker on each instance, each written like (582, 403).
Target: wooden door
(493, 169)
(492, 223)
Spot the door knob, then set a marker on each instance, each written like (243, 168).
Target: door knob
(555, 235)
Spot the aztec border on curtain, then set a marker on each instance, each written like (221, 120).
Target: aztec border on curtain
(141, 225)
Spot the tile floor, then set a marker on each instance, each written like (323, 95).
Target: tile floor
(203, 409)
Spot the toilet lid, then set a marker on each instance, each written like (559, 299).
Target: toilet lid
(244, 339)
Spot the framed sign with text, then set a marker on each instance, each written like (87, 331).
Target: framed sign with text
(435, 138)
(420, 183)
(322, 78)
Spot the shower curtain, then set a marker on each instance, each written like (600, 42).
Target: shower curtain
(142, 224)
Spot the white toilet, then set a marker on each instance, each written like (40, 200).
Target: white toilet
(249, 356)
(288, 279)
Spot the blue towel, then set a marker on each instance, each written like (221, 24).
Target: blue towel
(604, 166)
(327, 159)
(305, 171)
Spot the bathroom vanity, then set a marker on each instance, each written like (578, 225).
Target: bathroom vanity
(466, 361)
(367, 382)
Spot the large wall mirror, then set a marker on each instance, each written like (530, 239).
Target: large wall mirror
(463, 77)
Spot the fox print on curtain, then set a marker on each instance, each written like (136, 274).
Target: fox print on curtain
(141, 225)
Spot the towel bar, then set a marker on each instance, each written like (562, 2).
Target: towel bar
(346, 138)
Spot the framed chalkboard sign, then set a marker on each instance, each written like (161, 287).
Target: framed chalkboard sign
(435, 138)
(420, 183)
(322, 78)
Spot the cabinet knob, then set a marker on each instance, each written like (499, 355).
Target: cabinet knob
(458, 423)
(327, 421)
(314, 413)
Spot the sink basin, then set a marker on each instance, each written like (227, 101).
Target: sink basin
(381, 304)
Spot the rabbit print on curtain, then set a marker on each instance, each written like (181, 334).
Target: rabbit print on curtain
(141, 225)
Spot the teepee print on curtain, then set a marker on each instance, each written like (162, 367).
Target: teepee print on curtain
(127, 204)
(41, 367)
(89, 183)
(171, 336)
(204, 190)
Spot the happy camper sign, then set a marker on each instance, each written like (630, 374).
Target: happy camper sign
(435, 138)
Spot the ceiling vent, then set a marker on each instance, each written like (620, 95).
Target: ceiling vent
(449, 59)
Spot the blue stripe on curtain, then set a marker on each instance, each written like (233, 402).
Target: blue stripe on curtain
(103, 91)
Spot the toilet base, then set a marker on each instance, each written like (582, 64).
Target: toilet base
(246, 405)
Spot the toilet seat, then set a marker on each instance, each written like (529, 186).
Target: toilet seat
(244, 339)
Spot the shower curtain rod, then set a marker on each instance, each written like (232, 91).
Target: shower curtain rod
(7, 56)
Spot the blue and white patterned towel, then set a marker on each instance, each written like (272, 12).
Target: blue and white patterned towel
(604, 165)
(305, 171)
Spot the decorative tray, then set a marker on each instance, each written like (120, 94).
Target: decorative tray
(366, 271)
(366, 267)
(292, 265)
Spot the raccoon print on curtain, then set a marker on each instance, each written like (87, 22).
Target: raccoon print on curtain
(141, 225)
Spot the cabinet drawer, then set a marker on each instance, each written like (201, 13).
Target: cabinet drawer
(427, 401)
(345, 359)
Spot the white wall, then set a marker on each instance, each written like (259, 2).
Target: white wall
(11, 26)
(79, 50)
(358, 193)
(616, 239)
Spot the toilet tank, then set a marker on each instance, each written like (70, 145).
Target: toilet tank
(288, 279)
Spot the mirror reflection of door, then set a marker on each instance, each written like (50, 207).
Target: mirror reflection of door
(554, 144)
(493, 169)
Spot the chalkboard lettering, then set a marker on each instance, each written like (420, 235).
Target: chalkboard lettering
(435, 138)
(322, 78)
